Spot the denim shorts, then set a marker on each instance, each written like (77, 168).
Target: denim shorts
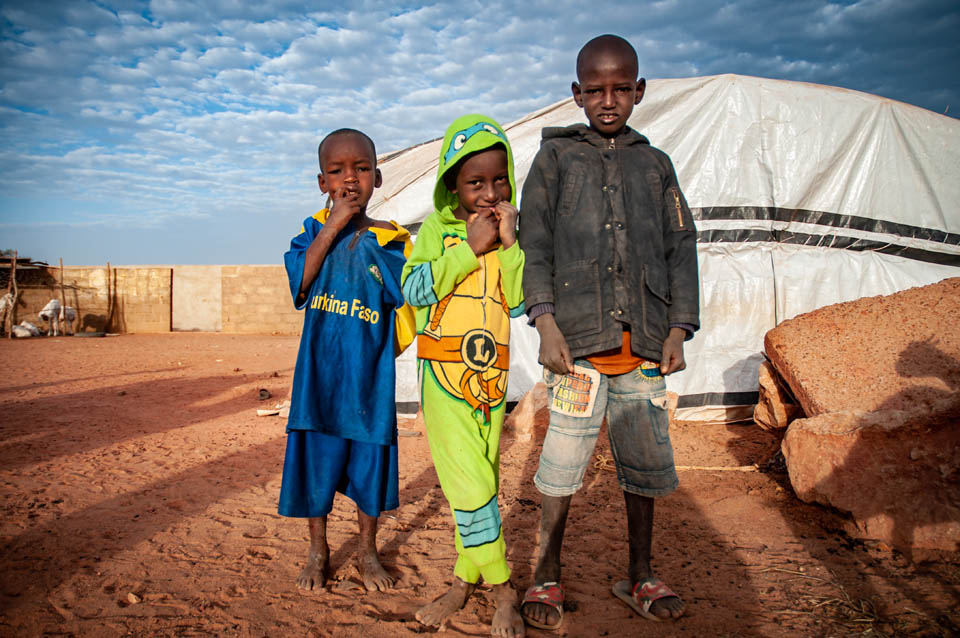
(635, 406)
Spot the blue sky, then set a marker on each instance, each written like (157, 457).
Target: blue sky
(174, 132)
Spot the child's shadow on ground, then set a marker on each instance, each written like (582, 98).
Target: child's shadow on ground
(595, 549)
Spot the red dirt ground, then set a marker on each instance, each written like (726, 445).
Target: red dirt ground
(139, 499)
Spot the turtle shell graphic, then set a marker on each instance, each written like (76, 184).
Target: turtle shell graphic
(466, 336)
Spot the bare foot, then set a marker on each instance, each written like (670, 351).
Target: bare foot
(374, 576)
(507, 621)
(437, 612)
(314, 573)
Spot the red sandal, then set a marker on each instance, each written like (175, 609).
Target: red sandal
(549, 594)
(641, 596)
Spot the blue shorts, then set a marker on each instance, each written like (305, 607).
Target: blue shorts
(635, 406)
(318, 465)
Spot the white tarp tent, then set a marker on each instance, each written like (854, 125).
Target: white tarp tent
(804, 196)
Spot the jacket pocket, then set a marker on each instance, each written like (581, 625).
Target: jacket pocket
(570, 191)
(658, 286)
(577, 299)
(654, 300)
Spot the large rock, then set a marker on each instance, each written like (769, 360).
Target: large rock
(896, 471)
(878, 353)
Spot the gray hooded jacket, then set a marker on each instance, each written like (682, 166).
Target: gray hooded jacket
(609, 240)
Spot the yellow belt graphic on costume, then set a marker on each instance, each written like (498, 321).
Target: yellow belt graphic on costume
(472, 367)
(477, 350)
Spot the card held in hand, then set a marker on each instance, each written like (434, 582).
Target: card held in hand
(575, 394)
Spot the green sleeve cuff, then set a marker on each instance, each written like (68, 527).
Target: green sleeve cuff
(511, 258)
(463, 255)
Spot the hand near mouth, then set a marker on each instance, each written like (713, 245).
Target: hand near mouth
(482, 231)
(506, 215)
(346, 206)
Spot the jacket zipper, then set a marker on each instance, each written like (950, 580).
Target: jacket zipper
(611, 144)
(676, 200)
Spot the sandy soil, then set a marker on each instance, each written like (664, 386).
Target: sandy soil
(139, 499)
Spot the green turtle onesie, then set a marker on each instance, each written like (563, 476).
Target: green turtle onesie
(464, 303)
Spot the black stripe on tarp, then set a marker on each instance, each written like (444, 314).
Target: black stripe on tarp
(407, 407)
(823, 218)
(716, 235)
(718, 398)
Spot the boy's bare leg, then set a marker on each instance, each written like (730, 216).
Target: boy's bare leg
(314, 573)
(437, 612)
(640, 531)
(374, 576)
(507, 621)
(553, 522)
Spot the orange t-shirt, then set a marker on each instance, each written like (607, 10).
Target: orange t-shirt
(616, 361)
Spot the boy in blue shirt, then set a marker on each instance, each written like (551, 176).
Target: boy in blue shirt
(610, 281)
(344, 268)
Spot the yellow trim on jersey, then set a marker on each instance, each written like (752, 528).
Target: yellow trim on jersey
(384, 235)
(405, 320)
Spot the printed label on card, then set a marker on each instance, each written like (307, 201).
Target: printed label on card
(575, 394)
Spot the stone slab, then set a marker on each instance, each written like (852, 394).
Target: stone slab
(775, 407)
(890, 352)
(896, 471)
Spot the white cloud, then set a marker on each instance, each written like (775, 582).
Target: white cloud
(152, 111)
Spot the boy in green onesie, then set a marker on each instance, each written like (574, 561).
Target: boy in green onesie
(464, 278)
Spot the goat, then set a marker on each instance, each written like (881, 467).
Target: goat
(55, 314)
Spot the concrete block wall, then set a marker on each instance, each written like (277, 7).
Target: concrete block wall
(141, 297)
(256, 300)
(231, 299)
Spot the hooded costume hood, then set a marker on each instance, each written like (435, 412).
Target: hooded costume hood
(467, 135)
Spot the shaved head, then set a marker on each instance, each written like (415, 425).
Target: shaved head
(607, 47)
(344, 132)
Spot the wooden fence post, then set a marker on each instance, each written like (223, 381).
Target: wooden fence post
(12, 285)
(63, 301)
(106, 324)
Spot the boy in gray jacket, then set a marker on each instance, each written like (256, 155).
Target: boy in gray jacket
(611, 284)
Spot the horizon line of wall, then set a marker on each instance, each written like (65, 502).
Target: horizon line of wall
(235, 299)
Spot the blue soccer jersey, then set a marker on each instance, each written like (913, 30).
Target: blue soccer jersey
(355, 323)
